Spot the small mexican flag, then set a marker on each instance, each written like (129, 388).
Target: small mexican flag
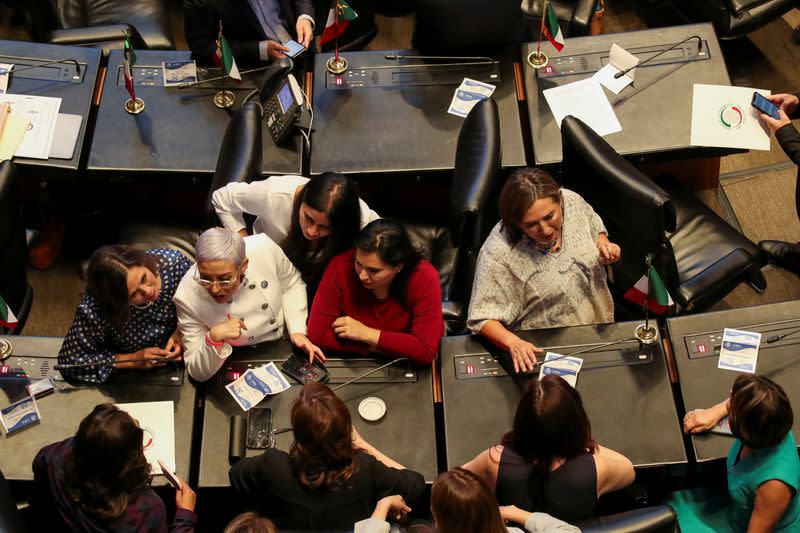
(224, 57)
(339, 17)
(651, 292)
(128, 61)
(551, 28)
(7, 317)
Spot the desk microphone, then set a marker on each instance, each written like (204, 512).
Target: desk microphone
(69, 366)
(13, 68)
(241, 72)
(776, 338)
(365, 374)
(474, 59)
(699, 49)
(584, 350)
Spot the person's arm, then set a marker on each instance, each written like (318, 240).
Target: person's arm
(421, 343)
(393, 505)
(185, 517)
(327, 307)
(201, 23)
(485, 465)
(366, 447)
(523, 353)
(701, 420)
(388, 480)
(233, 200)
(614, 470)
(772, 499)
(535, 522)
(294, 298)
(789, 139)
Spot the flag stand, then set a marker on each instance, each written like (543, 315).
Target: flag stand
(223, 99)
(5, 349)
(336, 64)
(646, 333)
(133, 105)
(538, 59)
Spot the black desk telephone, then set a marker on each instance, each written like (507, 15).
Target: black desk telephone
(281, 97)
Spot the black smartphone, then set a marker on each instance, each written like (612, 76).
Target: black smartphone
(259, 428)
(297, 367)
(765, 106)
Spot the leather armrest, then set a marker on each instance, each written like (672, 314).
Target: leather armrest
(92, 35)
(737, 7)
(240, 154)
(660, 519)
(454, 314)
(477, 165)
(715, 281)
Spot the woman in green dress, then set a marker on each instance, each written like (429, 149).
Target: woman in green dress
(763, 466)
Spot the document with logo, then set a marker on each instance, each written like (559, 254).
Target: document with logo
(157, 420)
(562, 365)
(20, 415)
(739, 350)
(469, 93)
(723, 117)
(255, 385)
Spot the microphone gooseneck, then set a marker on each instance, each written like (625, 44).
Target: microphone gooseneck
(69, 366)
(14, 68)
(477, 59)
(776, 338)
(365, 374)
(699, 49)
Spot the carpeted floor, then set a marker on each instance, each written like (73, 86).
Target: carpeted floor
(759, 186)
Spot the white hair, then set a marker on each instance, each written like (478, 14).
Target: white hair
(220, 244)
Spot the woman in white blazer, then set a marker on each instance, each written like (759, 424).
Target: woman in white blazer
(241, 291)
(311, 219)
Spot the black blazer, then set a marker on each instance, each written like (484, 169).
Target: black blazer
(240, 26)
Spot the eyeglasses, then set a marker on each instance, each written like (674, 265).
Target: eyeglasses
(207, 283)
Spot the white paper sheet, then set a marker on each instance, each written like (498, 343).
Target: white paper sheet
(467, 95)
(41, 112)
(13, 133)
(739, 350)
(619, 59)
(565, 366)
(723, 117)
(585, 100)
(157, 421)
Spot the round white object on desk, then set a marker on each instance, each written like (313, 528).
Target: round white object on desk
(372, 409)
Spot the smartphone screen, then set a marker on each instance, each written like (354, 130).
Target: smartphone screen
(765, 106)
(259, 427)
(172, 478)
(297, 367)
(295, 48)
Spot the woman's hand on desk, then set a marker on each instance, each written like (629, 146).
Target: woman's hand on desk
(141, 360)
(701, 420)
(523, 353)
(174, 345)
(313, 351)
(609, 252)
(351, 329)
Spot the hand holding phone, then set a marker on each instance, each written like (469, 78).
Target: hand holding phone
(294, 48)
(171, 477)
(765, 106)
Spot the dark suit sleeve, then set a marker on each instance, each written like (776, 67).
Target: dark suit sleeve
(796, 113)
(789, 139)
(201, 20)
(302, 7)
(407, 483)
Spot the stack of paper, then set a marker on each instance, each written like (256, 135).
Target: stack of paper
(28, 131)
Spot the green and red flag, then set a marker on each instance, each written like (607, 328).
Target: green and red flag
(7, 317)
(224, 57)
(650, 291)
(551, 28)
(339, 17)
(128, 61)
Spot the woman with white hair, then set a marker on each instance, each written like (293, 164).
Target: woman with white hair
(241, 291)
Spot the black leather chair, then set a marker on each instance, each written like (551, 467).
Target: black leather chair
(14, 285)
(659, 519)
(475, 27)
(699, 256)
(574, 16)
(10, 518)
(101, 23)
(732, 18)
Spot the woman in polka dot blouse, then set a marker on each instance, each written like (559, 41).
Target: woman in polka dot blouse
(126, 319)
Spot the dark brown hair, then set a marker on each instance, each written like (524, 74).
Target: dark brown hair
(107, 279)
(322, 454)
(760, 414)
(250, 523)
(550, 423)
(392, 244)
(336, 196)
(461, 503)
(523, 187)
(106, 469)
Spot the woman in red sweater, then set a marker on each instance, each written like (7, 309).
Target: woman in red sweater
(380, 297)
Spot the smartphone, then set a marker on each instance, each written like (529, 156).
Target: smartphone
(172, 478)
(723, 427)
(765, 106)
(295, 48)
(297, 367)
(259, 428)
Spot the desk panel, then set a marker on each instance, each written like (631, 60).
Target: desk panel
(629, 403)
(63, 411)
(403, 126)
(406, 433)
(655, 112)
(76, 95)
(702, 384)
(180, 130)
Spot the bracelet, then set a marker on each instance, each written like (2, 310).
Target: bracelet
(213, 343)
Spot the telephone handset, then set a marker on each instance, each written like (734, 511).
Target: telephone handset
(281, 98)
